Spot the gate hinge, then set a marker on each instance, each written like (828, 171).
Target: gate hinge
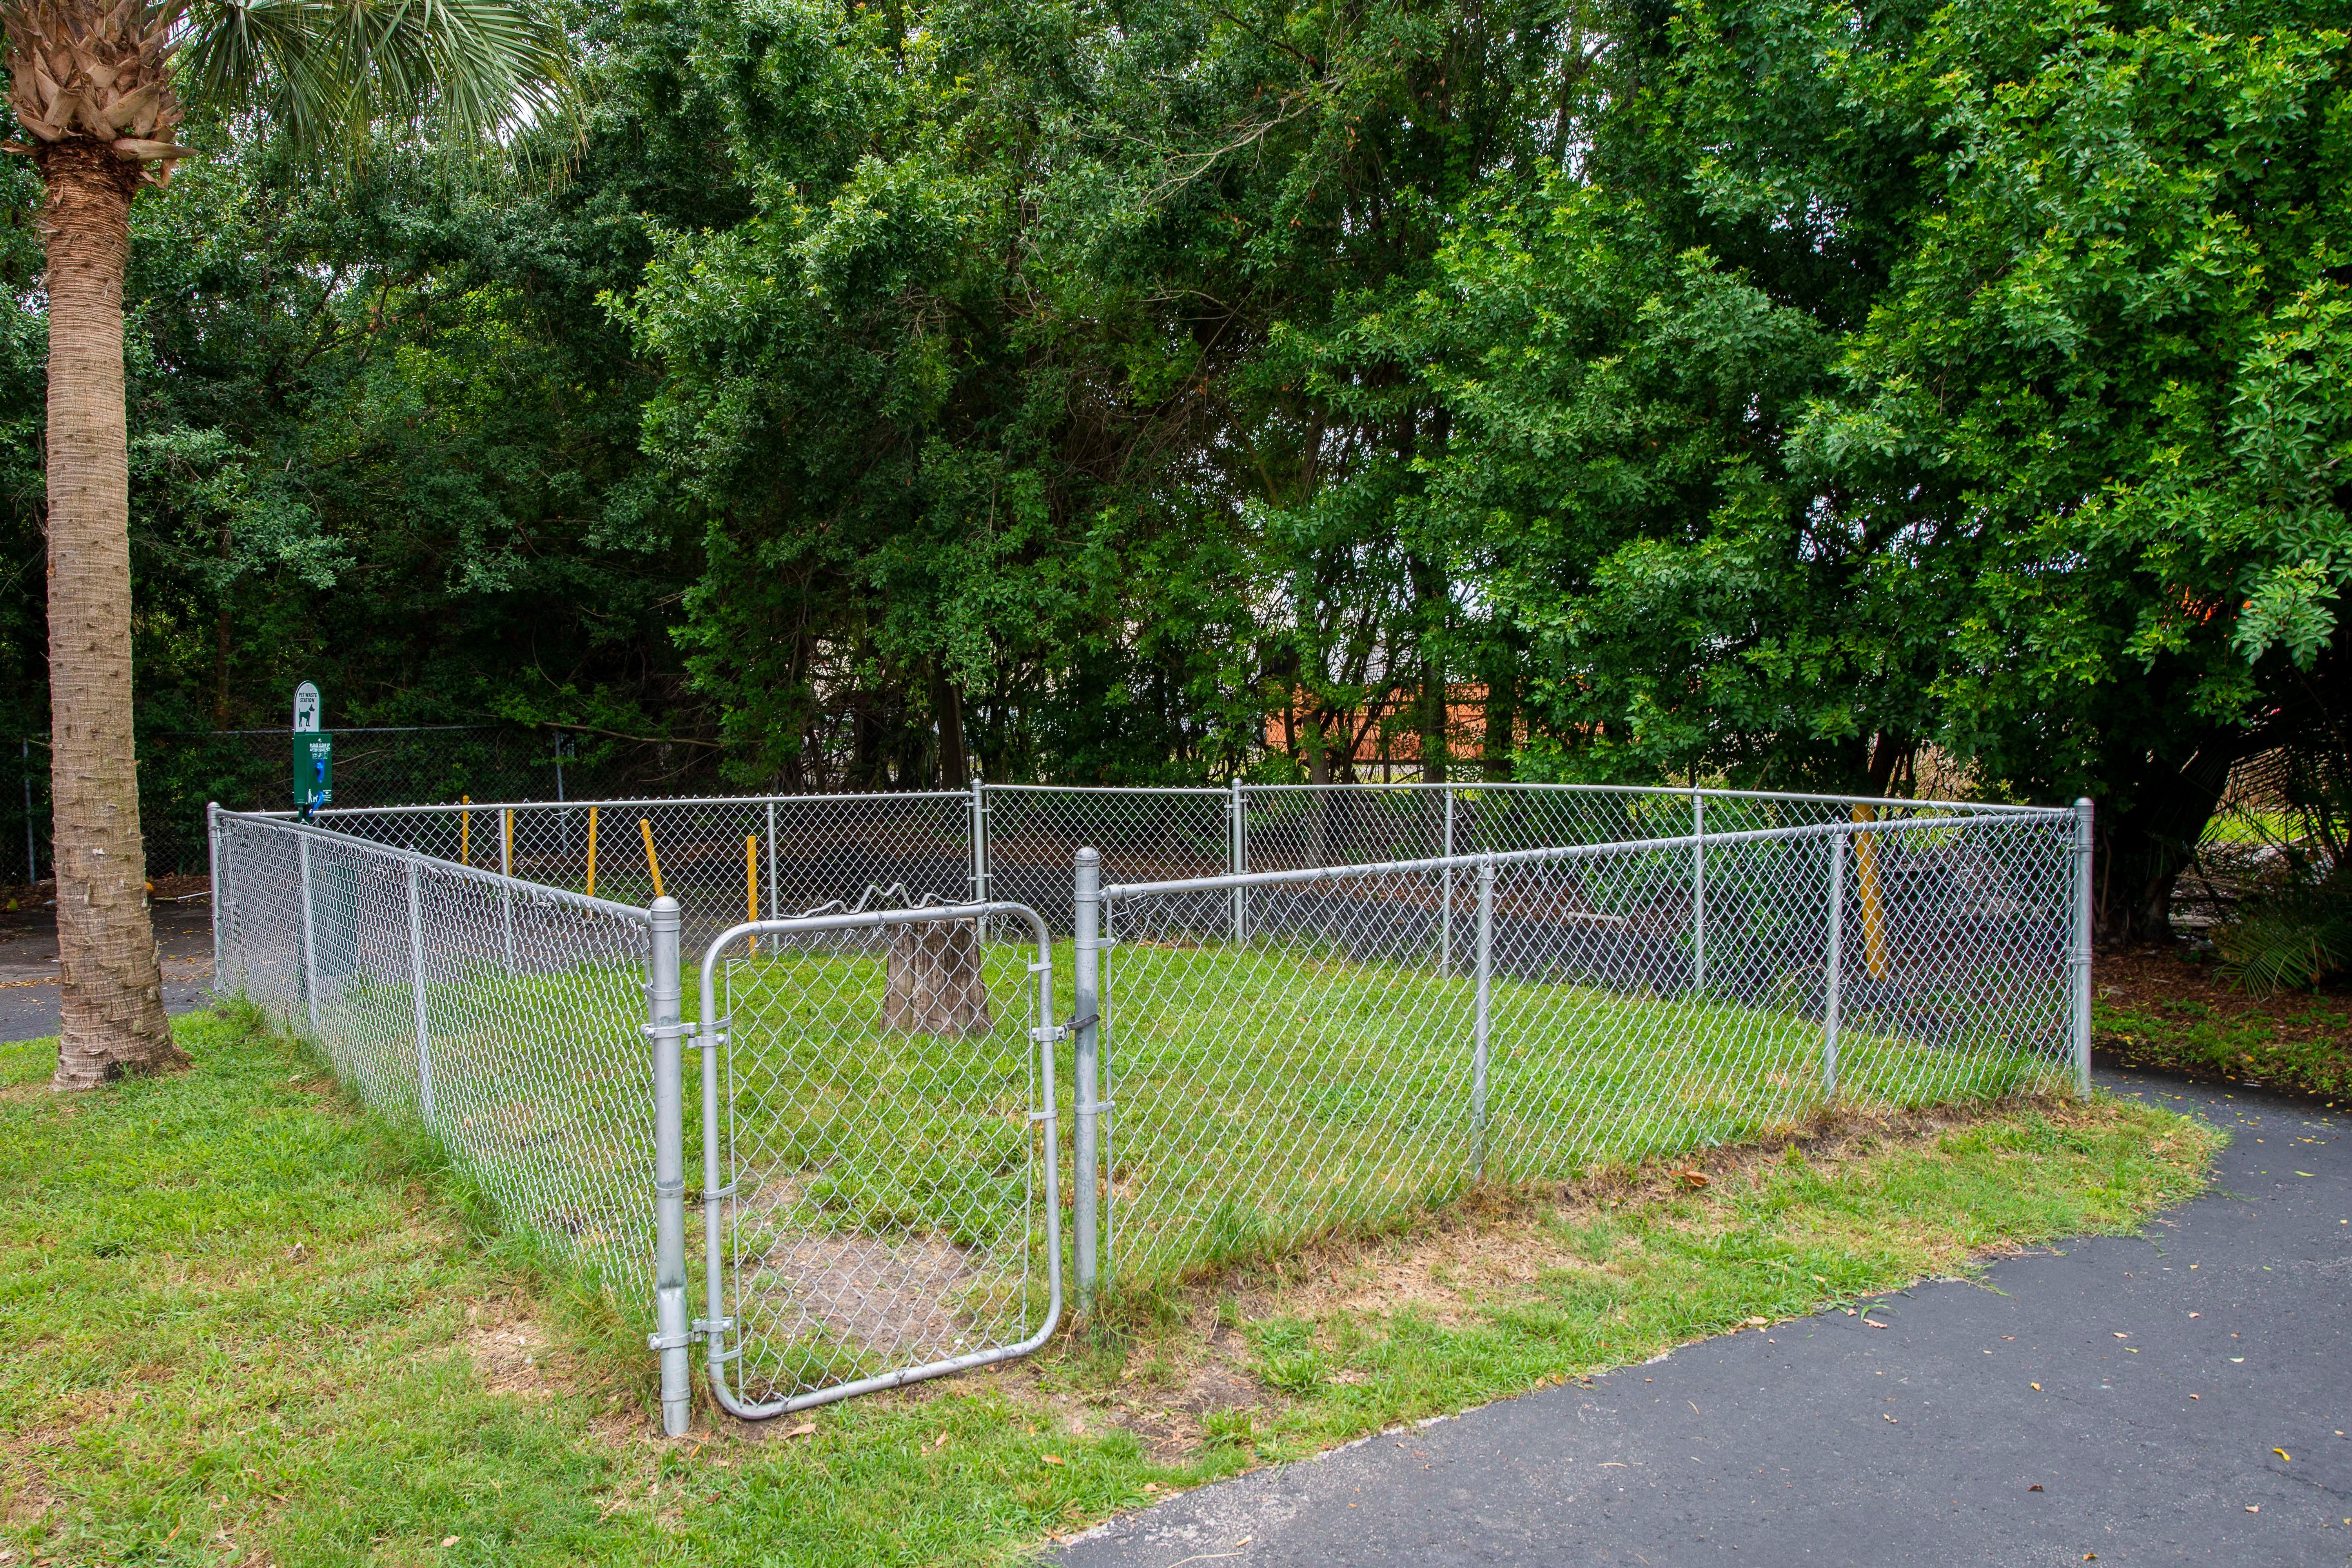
(706, 1328)
(1097, 1107)
(670, 1189)
(1049, 1034)
(680, 1030)
(660, 1342)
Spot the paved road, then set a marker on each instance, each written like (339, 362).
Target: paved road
(28, 969)
(1779, 1448)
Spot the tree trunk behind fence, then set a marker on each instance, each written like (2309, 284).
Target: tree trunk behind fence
(935, 986)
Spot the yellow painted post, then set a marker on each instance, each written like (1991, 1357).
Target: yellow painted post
(1873, 912)
(591, 851)
(506, 856)
(465, 832)
(751, 882)
(652, 861)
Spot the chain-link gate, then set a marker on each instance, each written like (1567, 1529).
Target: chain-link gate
(880, 1162)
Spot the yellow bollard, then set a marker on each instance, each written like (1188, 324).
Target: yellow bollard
(752, 883)
(465, 832)
(652, 861)
(506, 857)
(1873, 912)
(591, 851)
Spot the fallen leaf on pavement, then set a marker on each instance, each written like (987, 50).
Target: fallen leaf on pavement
(2035, 1386)
(2282, 1454)
(2034, 1487)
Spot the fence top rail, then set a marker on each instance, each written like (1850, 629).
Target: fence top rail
(1564, 852)
(962, 797)
(438, 866)
(1672, 791)
(855, 919)
(1108, 789)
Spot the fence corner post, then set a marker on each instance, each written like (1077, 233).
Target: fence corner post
(673, 1337)
(1482, 1020)
(1698, 893)
(212, 875)
(1834, 965)
(1087, 901)
(2080, 956)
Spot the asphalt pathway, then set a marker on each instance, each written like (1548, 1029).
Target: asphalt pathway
(29, 968)
(2195, 1390)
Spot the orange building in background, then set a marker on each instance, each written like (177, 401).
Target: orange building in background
(1381, 739)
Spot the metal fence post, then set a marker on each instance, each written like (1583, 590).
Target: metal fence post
(673, 1337)
(1237, 859)
(776, 894)
(1088, 1029)
(979, 840)
(506, 892)
(2082, 945)
(1698, 894)
(1446, 898)
(417, 987)
(1482, 1021)
(310, 939)
(1835, 964)
(212, 875)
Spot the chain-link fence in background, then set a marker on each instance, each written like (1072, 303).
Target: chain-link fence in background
(1297, 1053)
(1291, 1052)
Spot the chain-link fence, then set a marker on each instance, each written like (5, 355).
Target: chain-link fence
(1276, 1050)
(1300, 1053)
(881, 1165)
(508, 1018)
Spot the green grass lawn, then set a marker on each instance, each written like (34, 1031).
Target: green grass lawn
(244, 1321)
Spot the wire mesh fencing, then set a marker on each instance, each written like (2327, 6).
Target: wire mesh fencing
(1361, 1043)
(505, 1017)
(1292, 1014)
(725, 859)
(881, 1165)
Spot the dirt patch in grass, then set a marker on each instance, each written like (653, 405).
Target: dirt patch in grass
(2168, 1009)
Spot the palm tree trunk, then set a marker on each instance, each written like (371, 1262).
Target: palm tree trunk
(112, 983)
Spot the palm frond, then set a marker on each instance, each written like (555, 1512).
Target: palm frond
(326, 72)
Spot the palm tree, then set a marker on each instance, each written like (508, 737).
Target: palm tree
(98, 87)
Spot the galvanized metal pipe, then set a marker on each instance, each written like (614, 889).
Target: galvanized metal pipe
(2081, 957)
(309, 942)
(1237, 859)
(1446, 899)
(1834, 967)
(506, 868)
(212, 875)
(1482, 1020)
(1085, 1087)
(1698, 893)
(979, 840)
(416, 989)
(672, 1338)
